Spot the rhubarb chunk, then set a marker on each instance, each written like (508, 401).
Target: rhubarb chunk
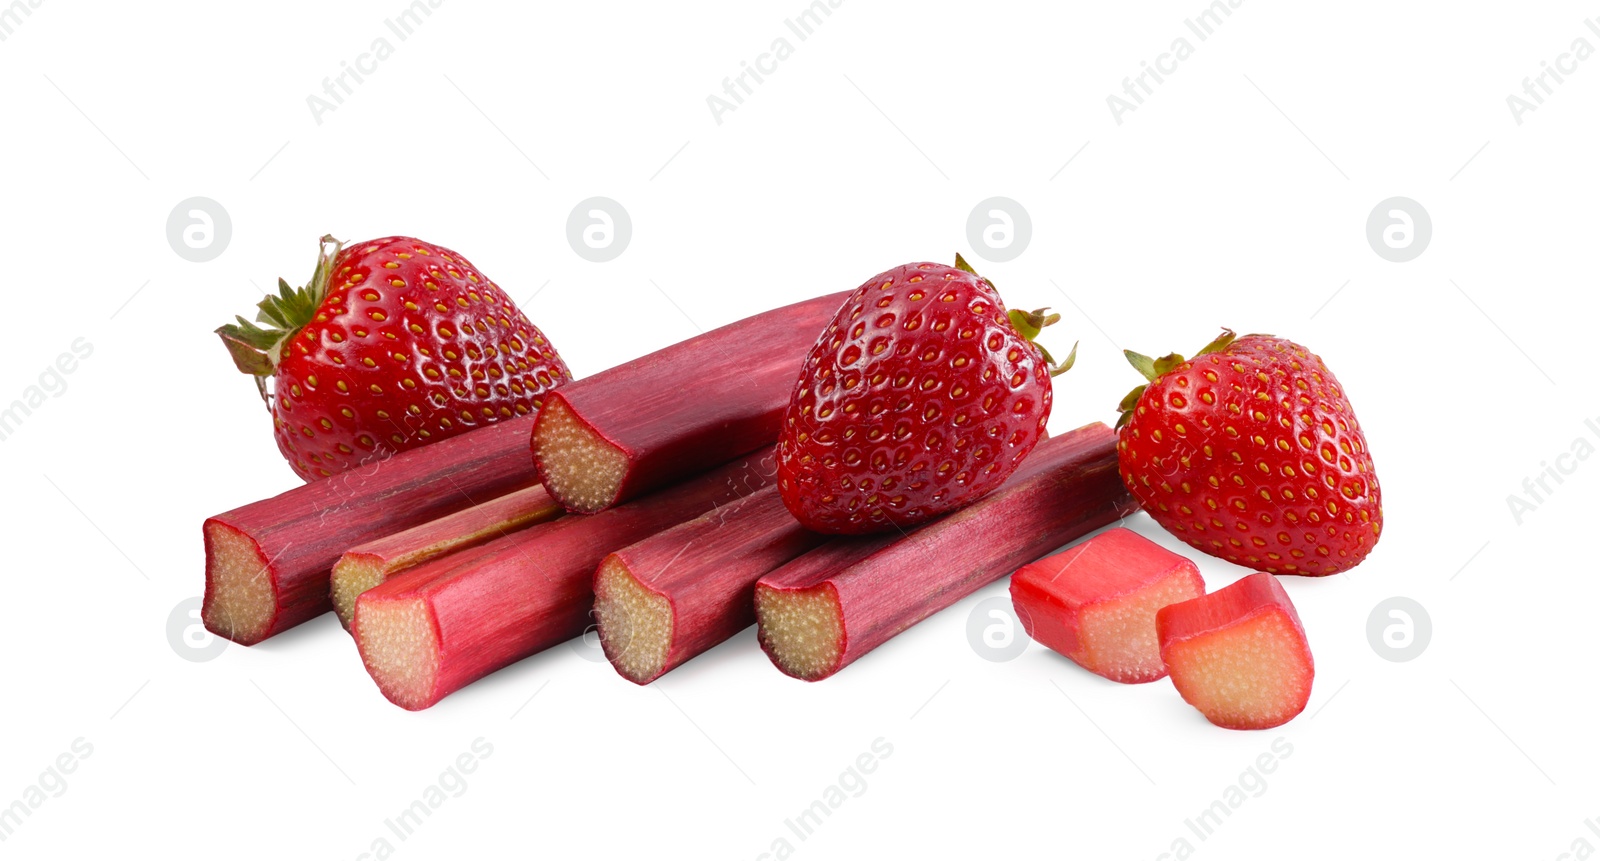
(268, 563)
(364, 567)
(844, 599)
(675, 595)
(1096, 603)
(677, 412)
(429, 631)
(1239, 655)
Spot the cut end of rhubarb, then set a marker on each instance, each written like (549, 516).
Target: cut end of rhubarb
(635, 622)
(400, 647)
(239, 602)
(1119, 637)
(578, 466)
(353, 574)
(1239, 655)
(1096, 603)
(801, 630)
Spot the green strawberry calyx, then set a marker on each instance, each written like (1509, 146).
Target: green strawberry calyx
(1029, 324)
(1154, 369)
(255, 349)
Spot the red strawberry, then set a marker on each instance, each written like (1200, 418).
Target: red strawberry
(921, 396)
(394, 344)
(1251, 452)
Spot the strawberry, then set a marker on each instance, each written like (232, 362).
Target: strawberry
(921, 396)
(1251, 452)
(394, 344)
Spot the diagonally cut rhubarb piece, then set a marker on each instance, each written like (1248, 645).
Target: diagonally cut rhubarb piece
(679, 411)
(1239, 655)
(429, 631)
(1096, 603)
(835, 604)
(676, 594)
(268, 563)
(367, 565)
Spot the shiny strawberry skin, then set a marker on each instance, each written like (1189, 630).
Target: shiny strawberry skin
(411, 344)
(1253, 454)
(919, 398)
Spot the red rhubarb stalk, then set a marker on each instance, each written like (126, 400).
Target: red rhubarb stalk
(654, 616)
(1096, 602)
(268, 563)
(676, 594)
(364, 567)
(1239, 655)
(828, 608)
(433, 629)
(643, 425)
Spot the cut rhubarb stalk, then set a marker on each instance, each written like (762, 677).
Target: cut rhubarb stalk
(678, 593)
(679, 411)
(429, 631)
(1096, 603)
(364, 567)
(1239, 655)
(835, 604)
(268, 563)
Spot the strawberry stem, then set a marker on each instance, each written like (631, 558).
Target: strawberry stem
(1029, 324)
(1219, 343)
(255, 349)
(1145, 365)
(1154, 369)
(1066, 364)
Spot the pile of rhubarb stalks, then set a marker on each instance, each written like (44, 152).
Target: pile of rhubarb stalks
(643, 501)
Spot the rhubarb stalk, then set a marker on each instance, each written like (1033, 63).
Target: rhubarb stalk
(364, 567)
(676, 594)
(268, 563)
(1096, 602)
(431, 630)
(833, 605)
(1239, 655)
(679, 411)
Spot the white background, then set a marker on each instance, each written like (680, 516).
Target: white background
(1236, 195)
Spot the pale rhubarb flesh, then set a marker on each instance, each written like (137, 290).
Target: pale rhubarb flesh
(586, 470)
(1240, 654)
(634, 622)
